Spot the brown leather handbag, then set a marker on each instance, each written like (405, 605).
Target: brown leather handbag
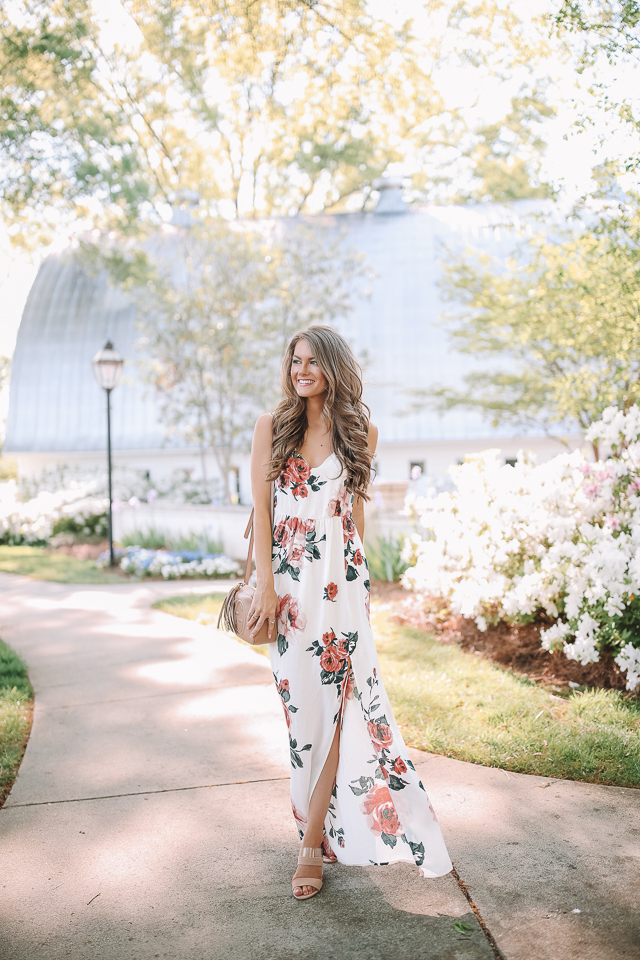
(234, 614)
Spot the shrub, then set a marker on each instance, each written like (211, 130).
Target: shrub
(148, 539)
(152, 539)
(560, 539)
(385, 559)
(92, 526)
(35, 521)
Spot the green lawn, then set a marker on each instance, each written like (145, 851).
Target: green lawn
(16, 703)
(457, 704)
(37, 562)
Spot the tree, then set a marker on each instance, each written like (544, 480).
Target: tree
(608, 26)
(506, 156)
(265, 108)
(216, 305)
(271, 107)
(5, 368)
(562, 317)
(598, 32)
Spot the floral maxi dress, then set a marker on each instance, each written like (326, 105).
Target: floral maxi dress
(326, 671)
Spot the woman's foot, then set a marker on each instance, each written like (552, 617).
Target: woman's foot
(328, 854)
(309, 873)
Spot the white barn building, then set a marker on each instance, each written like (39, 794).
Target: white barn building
(56, 410)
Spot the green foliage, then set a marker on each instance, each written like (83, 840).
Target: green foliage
(5, 369)
(268, 108)
(384, 558)
(561, 316)
(194, 541)
(609, 26)
(149, 539)
(8, 469)
(605, 33)
(13, 673)
(263, 108)
(506, 156)
(16, 698)
(93, 527)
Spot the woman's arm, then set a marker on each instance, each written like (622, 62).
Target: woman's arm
(265, 601)
(358, 503)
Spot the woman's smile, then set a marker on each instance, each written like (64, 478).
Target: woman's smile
(305, 382)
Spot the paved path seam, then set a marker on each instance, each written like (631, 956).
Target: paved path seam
(476, 912)
(141, 793)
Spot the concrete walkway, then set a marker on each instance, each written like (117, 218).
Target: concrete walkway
(151, 819)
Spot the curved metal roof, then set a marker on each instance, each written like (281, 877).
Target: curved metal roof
(56, 404)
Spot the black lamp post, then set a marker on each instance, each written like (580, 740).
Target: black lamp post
(107, 366)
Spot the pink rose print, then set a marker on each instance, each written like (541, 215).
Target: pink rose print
(298, 817)
(291, 535)
(380, 812)
(330, 592)
(349, 685)
(341, 505)
(380, 734)
(290, 619)
(297, 470)
(329, 660)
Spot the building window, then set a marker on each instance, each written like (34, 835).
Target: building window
(416, 469)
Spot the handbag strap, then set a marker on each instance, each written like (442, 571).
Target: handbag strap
(249, 533)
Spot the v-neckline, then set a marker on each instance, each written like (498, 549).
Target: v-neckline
(319, 465)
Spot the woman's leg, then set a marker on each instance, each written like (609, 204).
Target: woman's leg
(318, 807)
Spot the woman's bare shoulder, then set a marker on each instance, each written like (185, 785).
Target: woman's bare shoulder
(264, 425)
(373, 436)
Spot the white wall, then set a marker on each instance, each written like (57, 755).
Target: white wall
(394, 460)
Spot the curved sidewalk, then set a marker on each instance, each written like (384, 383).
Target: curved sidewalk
(150, 817)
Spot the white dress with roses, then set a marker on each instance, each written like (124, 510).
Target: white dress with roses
(326, 670)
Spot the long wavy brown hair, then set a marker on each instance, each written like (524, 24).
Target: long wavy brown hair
(344, 411)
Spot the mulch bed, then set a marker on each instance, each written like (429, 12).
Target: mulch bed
(514, 646)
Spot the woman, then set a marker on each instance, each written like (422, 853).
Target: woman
(355, 794)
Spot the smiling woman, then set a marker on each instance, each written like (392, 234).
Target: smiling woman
(311, 461)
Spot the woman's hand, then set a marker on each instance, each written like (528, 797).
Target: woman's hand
(264, 607)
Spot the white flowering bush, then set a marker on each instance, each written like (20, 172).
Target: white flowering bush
(174, 564)
(74, 509)
(561, 539)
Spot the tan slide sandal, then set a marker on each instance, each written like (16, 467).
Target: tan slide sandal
(308, 857)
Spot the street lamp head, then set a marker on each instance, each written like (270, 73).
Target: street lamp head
(107, 366)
